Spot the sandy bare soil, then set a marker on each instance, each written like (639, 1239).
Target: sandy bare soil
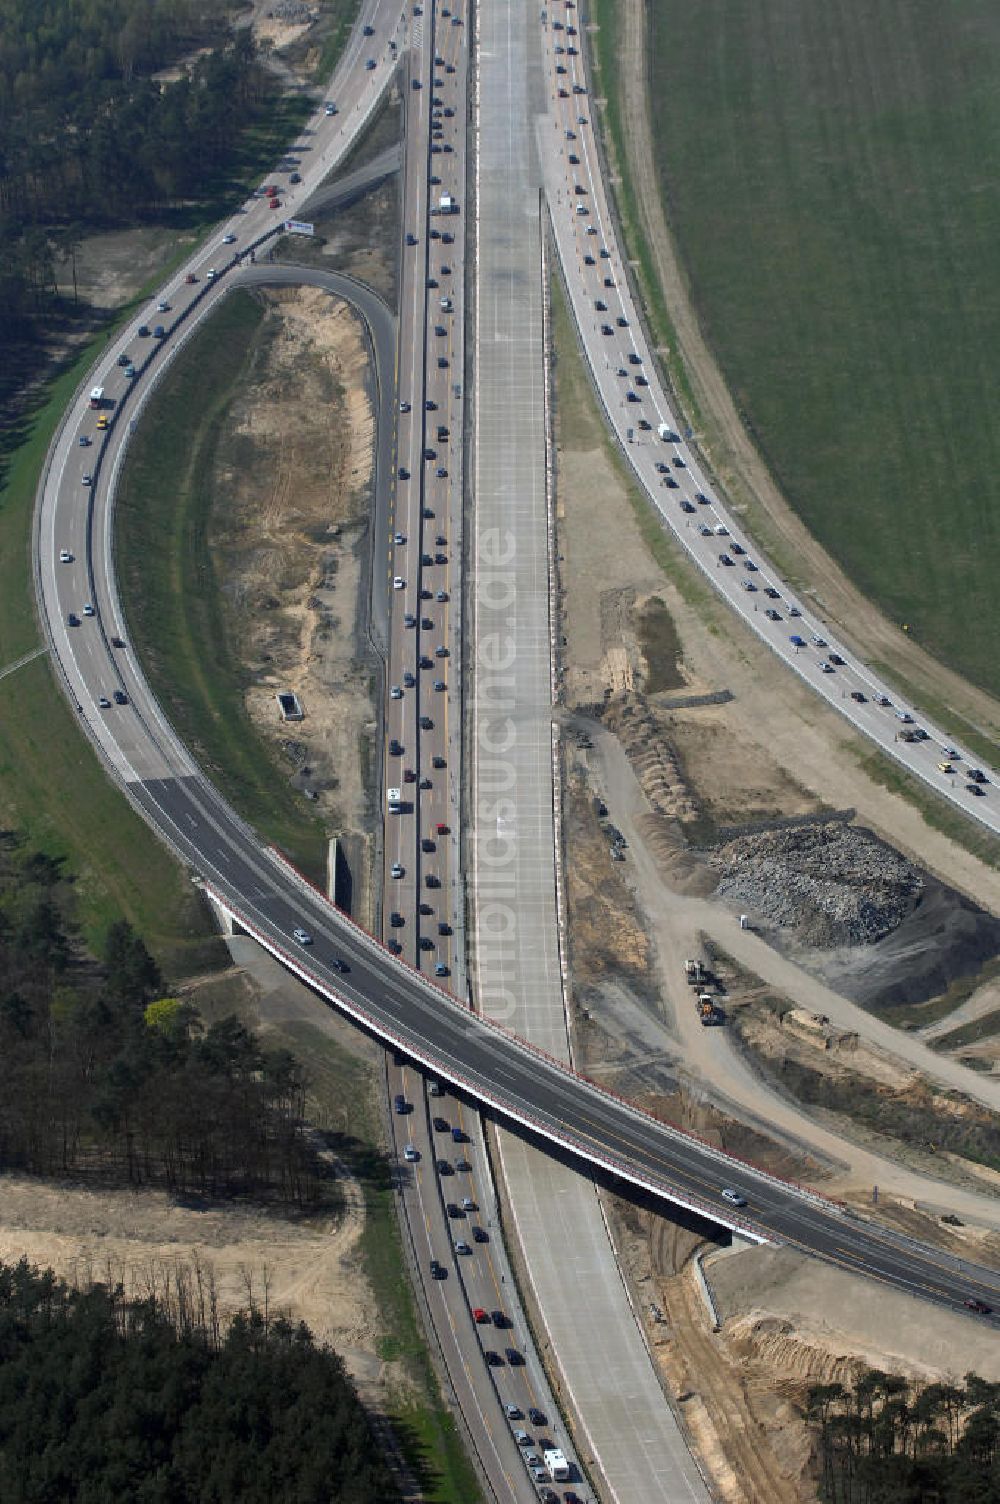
(670, 776)
(291, 544)
(787, 1322)
(148, 1242)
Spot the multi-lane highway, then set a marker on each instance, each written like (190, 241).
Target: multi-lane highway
(653, 438)
(430, 1027)
(448, 1194)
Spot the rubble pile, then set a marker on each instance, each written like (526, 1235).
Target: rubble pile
(832, 884)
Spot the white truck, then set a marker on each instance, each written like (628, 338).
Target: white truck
(394, 800)
(97, 397)
(666, 433)
(555, 1461)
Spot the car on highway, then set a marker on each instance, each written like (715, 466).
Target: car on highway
(301, 936)
(396, 870)
(480, 1235)
(330, 108)
(411, 1154)
(976, 789)
(735, 1197)
(85, 441)
(513, 1412)
(72, 620)
(229, 239)
(398, 582)
(979, 1306)
(438, 1271)
(395, 692)
(88, 610)
(65, 557)
(825, 667)
(537, 1417)
(120, 697)
(492, 1357)
(836, 658)
(461, 1246)
(104, 702)
(480, 1316)
(87, 479)
(437, 761)
(858, 697)
(426, 724)
(772, 615)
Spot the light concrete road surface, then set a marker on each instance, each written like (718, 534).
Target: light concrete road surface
(632, 1437)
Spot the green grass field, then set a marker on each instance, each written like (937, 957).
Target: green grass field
(53, 791)
(828, 174)
(172, 596)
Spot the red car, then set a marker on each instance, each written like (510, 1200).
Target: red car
(478, 1314)
(275, 203)
(190, 278)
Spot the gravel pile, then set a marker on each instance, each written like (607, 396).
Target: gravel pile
(832, 884)
(291, 10)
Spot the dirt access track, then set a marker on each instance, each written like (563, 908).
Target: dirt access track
(734, 459)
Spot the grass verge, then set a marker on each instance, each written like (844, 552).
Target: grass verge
(582, 427)
(937, 813)
(172, 597)
(53, 790)
(344, 1102)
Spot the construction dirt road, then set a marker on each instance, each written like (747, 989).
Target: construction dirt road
(681, 733)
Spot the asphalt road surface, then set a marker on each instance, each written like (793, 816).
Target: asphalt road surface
(669, 469)
(430, 1027)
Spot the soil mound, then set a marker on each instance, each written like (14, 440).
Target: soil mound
(944, 937)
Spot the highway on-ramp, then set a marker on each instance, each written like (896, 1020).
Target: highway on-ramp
(523, 1086)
